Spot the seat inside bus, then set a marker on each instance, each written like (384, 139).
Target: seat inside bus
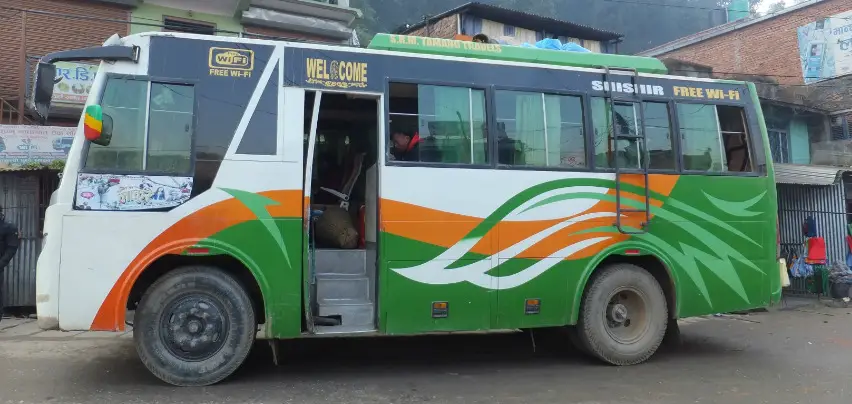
(345, 148)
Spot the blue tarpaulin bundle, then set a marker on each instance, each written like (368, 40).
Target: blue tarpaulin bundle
(555, 44)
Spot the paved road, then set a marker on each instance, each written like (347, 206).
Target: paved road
(780, 357)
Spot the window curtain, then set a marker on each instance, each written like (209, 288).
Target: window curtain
(450, 130)
(601, 117)
(529, 113)
(471, 25)
(479, 139)
(553, 115)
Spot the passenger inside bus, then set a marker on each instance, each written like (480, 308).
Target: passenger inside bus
(406, 145)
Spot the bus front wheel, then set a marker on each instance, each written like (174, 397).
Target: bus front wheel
(194, 326)
(623, 316)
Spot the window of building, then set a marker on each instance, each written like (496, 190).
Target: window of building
(448, 122)
(714, 139)
(779, 145)
(540, 130)
(152, 128)
(629, 153)
(508, 30)
(175, 24)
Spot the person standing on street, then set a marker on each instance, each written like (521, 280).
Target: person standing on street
(8, 248)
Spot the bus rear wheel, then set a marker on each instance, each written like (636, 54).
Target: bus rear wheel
(194, 326)
(624, 315)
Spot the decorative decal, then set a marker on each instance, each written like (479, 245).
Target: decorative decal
(130, 192)
(228, 62)
(585, 229)
(336, 73)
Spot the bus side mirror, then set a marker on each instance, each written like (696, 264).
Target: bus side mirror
(43, 89)
(97, 127)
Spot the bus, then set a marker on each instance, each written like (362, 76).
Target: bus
(222, 190)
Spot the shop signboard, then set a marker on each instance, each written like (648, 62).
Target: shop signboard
(22, 144)
(74, 84)
(825, 47)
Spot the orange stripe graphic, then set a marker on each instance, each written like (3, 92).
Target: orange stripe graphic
(445, 229)
(185, 233)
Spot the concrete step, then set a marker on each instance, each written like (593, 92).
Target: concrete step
(351, 314)
(333, 289)
(344, 262)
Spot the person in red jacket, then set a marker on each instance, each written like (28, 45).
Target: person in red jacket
(406, 145)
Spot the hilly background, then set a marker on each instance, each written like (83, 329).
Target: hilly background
(644, 23)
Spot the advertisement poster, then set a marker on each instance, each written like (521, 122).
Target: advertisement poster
(21, 144)
(75, 82)
(825, 47)
(131, 192)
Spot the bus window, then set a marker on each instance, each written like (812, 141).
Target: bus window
(124, 100)
(448, 121)
(735, 138)
(540, 130)
(701, 143)
(714, 138)
(659, 142)
(658, 135)
(168, 140)
(170, 128)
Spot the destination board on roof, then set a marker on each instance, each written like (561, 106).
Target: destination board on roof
(439, 43)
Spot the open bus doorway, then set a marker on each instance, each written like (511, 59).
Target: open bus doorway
(342, 185)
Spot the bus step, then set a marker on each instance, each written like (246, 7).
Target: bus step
(340, 262)
(346, 287)
(356, 313)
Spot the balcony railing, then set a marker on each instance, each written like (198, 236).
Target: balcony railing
(9, 115)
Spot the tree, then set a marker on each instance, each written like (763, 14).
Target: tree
(752, 5)
(776, 7)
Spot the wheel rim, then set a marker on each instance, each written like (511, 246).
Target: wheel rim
(194, 327)
(626, 317)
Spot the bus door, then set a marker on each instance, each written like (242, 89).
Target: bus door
(341, 193)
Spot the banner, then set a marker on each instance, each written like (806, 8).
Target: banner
(825, 47)
(21, 144)
(75, 82)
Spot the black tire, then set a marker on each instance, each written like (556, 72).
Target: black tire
(604, 328)
(185, 306)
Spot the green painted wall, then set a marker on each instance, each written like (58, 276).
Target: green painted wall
(149, 14)
(800, 149)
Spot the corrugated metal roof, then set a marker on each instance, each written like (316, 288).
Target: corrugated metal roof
(520, 19)
(808, 174)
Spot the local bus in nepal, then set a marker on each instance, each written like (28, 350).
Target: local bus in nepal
(220, 190)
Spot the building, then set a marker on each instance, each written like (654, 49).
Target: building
(30, 29)
(33, 28)
(799, 59)
(511, 27)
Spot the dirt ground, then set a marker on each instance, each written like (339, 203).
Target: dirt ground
(797, 354)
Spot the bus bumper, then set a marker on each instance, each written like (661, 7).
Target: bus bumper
(47, 271)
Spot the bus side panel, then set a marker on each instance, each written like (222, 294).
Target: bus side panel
(539, 235)
(721, 229)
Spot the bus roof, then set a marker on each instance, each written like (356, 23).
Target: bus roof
(449, 47)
